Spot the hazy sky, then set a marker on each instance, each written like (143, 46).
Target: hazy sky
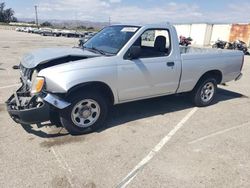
(135, 11)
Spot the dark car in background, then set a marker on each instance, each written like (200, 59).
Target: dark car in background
(46, 32)
(71, 33)
(50, 32)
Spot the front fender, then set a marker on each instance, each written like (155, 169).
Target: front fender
(63, 82)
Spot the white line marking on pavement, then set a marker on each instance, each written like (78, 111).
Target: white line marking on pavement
(218, 133)
(63, 164)
(131, 175)
(58, 159)
(9, 86)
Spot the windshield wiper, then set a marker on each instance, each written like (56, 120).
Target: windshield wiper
(96, 50)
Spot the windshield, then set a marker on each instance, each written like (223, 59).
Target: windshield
(111, 39)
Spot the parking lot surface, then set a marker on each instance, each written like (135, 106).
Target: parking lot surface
(161, 142)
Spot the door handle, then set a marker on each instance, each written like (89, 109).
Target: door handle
(170, 64)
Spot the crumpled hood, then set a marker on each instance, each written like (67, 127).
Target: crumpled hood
(41, 56)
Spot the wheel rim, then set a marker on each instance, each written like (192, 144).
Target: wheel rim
(85, 113)
(207, 92)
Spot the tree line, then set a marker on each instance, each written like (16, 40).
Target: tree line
(7, 14)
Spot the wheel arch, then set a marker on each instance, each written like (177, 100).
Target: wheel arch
(217, 74)
(96, 86)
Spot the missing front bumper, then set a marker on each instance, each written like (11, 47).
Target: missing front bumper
(27, 110)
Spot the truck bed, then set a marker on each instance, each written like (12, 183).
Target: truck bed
(196, 61)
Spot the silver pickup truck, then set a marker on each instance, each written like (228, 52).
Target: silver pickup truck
(75, 87)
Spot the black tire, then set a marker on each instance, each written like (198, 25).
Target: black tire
(66, 119)
(196, 95)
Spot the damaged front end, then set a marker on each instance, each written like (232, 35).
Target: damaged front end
(26, 109)
(30, 105)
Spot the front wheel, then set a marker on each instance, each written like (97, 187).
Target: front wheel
(86, 114)
(204, 92)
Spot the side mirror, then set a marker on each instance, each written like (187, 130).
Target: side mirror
(134, 52)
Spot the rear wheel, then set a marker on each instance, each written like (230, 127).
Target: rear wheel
(204, 92)
(87, 113)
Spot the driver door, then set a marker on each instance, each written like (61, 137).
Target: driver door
(154, 73)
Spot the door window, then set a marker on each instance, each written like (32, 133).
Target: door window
(154, 43)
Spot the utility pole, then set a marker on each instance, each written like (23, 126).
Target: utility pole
(109, 21)
(36, 16)
(76, 20)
